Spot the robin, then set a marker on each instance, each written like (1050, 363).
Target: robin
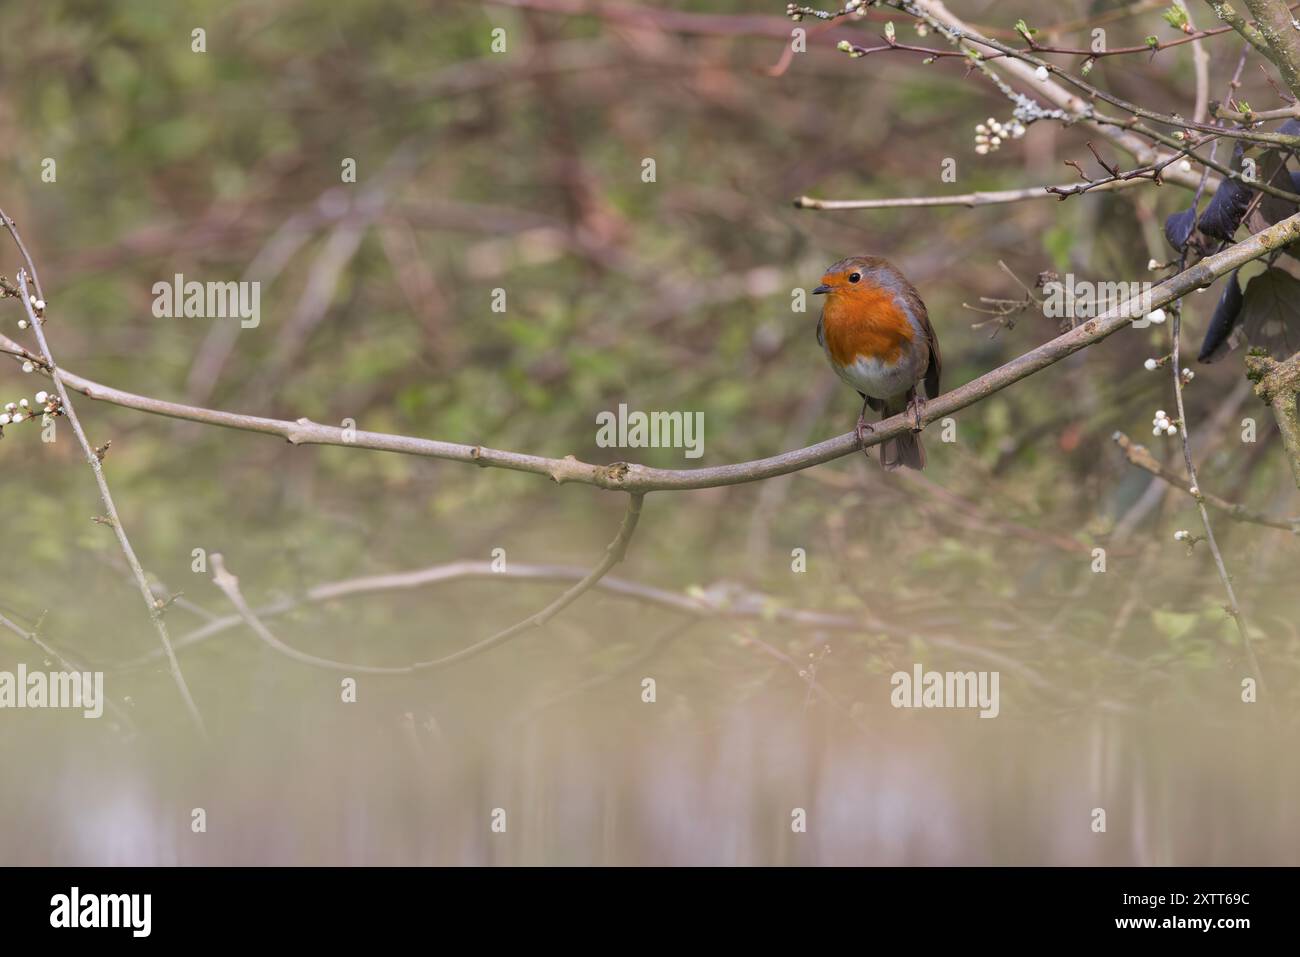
(878, 338)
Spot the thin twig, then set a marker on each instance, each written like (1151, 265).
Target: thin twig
(614, 553)
(1141, 456)
(1233, 607)
(96, 467)
(67, 663)
(969, 200)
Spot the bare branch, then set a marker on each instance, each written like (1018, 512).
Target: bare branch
(1141, 456)
(614, 553)
(1233, 607)
(96, 467)
(67, 663)
(720, 602)
(622, 476)
(970, 200)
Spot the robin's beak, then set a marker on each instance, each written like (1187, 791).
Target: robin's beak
(821, 289)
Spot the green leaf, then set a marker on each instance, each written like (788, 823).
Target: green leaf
(1057, 243)
(1174, 624)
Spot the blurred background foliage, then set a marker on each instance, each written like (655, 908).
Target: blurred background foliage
(522, 171)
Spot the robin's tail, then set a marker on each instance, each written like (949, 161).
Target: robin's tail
(903, 450)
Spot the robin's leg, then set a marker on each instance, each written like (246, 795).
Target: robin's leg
(915, 405)
(863, 426)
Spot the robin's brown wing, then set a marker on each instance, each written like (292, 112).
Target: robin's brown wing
(936, 361)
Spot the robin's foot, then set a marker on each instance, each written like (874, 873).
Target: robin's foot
(916, 406)
(863, 427)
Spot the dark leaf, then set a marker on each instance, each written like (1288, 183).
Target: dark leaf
(1219, 338)
(1227, 206)
(1272, 170)
(1178, 228)
(1270, 315)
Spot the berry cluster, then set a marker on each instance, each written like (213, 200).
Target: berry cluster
(44, 404)
(1151, 365)
(38, 305)
(990, 134)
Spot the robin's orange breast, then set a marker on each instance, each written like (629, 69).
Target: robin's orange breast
(865, 323)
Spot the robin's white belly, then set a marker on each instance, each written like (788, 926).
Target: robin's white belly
(880, 380)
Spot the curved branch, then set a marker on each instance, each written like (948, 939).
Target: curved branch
(1141, 456)
(719, 602)
(639, 479)
(229, 584)
(709, 603)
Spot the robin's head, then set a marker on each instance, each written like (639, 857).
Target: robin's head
(858, 276)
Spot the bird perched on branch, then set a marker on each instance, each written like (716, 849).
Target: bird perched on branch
(878, 338)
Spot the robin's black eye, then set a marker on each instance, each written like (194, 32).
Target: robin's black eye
(854, 276)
